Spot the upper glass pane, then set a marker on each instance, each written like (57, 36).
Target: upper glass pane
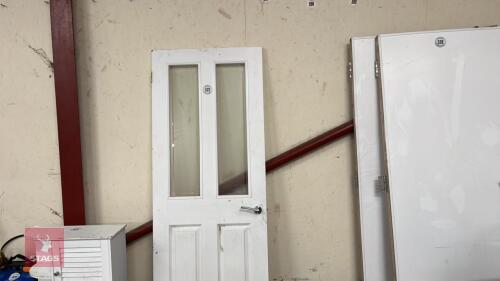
(231, 129)
(184, 131)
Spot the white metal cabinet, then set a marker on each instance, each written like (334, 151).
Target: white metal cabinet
(89, 253)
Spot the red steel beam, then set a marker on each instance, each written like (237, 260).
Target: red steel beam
(293, 154)
(139, 232)
(68, 119)
(309, 146)
(272, 164)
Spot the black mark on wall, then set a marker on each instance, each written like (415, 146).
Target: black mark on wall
(43, 55)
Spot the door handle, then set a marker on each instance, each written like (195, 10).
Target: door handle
(256, 210)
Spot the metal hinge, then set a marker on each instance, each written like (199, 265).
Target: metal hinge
(349, 70)
(377, 69)
(381, 184)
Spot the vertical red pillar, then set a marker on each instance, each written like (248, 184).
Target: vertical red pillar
(68, 118)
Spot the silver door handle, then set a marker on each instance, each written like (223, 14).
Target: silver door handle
(256, 210)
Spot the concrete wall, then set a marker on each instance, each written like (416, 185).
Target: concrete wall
(313, 232)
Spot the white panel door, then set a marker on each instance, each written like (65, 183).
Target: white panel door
(209, 189)
(375, 240)
(441, 115)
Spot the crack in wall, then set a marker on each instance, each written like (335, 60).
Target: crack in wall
(43, 55)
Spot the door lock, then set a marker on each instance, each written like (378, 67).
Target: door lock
(256, 210)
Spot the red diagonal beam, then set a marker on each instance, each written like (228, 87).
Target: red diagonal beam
(290, 155)
(272, 164)
(309, 146)
(68, 119)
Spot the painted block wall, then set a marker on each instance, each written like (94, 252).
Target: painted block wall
(313, 223)
(30, 179)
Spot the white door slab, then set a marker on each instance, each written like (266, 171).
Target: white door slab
(375, 239)
(208, 131)
(441, 116)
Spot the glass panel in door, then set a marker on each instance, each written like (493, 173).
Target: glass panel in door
(184, 131)
(231, 129)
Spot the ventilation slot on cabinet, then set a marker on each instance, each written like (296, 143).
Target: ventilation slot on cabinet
(82, 263)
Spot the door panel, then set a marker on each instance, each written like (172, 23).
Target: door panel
(441, 120)
(233, 252)
(206, 235)
(185, 253)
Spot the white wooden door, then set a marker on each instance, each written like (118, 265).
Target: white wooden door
(209, 189)
(374, 218)
(441, 120)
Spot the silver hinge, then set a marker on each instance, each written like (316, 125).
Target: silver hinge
(349, 70)
(381, 184)
(377, 69)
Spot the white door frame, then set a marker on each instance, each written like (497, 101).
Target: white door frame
(209, 218)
